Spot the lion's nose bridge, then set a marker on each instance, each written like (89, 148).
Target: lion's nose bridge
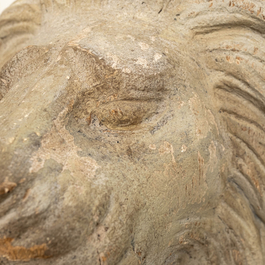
(20, 136)
(15, 157)
(20, 113)
(26, 113)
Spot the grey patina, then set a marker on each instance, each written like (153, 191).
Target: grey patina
(132, 132)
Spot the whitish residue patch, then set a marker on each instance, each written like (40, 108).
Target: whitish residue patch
(59, 145)
(152, 146)
(114, 59)
(213, 159)
(142, 62)
(11, 140)
(131, 37)
(197, 187)
(126, 70)
(199, 111)
(181, 104)
(157, 57)
(144, 46)
(183, 148)
(167, 148)
(211, 119)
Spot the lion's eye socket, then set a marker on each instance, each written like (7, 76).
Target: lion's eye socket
(125, 115)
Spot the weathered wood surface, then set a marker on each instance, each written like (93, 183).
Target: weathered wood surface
(132, 132)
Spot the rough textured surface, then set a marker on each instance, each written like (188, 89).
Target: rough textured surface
(132, 132)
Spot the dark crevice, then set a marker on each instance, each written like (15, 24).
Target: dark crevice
(255, 213)
(248, 146)
(216, 28)
(242, 118)
(235, 90)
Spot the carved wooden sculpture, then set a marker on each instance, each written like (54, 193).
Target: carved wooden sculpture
(132, 132)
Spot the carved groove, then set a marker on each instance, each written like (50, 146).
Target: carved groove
(244, 94)
(241, 118)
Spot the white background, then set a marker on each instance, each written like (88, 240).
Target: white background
(4, 4)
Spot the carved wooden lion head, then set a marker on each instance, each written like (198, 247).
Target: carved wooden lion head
(132, 132)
